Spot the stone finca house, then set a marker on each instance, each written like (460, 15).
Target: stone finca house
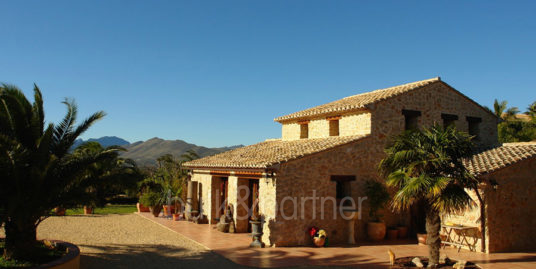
(329, 151)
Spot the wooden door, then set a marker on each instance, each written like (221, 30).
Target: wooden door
(253, 199)
(223, 196)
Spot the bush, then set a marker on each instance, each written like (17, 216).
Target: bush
(151, 199)
(377, 197)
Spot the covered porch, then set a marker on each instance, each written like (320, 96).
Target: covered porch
(211, 193)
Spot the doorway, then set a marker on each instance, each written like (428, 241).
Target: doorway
(223, 195)
(253, 200)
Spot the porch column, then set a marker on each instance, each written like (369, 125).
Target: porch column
(191, 199)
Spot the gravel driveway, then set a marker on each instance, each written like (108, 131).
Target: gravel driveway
(128, 241)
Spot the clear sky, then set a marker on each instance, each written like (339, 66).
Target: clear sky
(217, 73)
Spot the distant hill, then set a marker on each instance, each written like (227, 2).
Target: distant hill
(105, 141)
(146, 153)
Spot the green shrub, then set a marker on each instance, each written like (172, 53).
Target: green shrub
(152, 198)
(377, 197)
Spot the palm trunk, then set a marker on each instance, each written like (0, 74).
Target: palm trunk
(20, 239)
(433, 226)
(482, 220)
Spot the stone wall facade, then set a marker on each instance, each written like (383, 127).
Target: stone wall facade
(311, 174)
(309, 177)
(385, 117)
(432, 101)
(353, 123)
(511, 208)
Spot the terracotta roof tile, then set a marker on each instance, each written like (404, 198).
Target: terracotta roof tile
(270, 152)
(357, 101)
(496, 158)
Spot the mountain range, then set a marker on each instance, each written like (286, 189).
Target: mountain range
(145, 153)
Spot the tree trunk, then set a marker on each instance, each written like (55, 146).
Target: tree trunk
(433, 226)
(482, 220)
(20, 239)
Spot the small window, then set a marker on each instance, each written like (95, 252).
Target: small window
(334, 127)
(449, 119)
(474, 126)
(304, 130)
(411, 119)
(343, 186)
(343, 189)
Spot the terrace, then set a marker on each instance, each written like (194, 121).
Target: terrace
(363, 255)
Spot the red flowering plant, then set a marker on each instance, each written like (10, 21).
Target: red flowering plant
(319, 236)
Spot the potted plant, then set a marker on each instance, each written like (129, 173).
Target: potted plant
(177, 208)
(421, 238)
(319, 236)
(88, 210)
(402, 229)
(142, 208)
(153, 200)
(377, 197)
(392, 233)
(256, 226)
(59, 211)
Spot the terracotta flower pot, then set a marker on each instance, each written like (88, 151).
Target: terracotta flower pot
(422, 238)
(392, 234)
(319, 241)
(88, 210)
(168, 210)
(376, 230)
(142, 208)
(156, 210)
(402, 231)
(176, 217)
(60, 211)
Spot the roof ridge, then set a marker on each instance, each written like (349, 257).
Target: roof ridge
(510, 144)
(357, 101)
(396, 86)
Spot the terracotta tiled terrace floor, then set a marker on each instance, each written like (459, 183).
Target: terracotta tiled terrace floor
(365, 255)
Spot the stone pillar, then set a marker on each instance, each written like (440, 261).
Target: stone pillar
(191, 199)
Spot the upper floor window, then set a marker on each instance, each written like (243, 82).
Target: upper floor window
(304, 129)
(333, 126)
(411, 119)
(449, 119)
(474, 126)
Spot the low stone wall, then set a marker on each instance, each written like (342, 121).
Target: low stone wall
(71, 260)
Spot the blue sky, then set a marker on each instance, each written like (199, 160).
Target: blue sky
(216, 73)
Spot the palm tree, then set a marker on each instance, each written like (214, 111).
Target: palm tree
(108, 177)
(37, 171)
(510, 113)
(502, 111)
(531, 110)
(499, 108)
(426, 166)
